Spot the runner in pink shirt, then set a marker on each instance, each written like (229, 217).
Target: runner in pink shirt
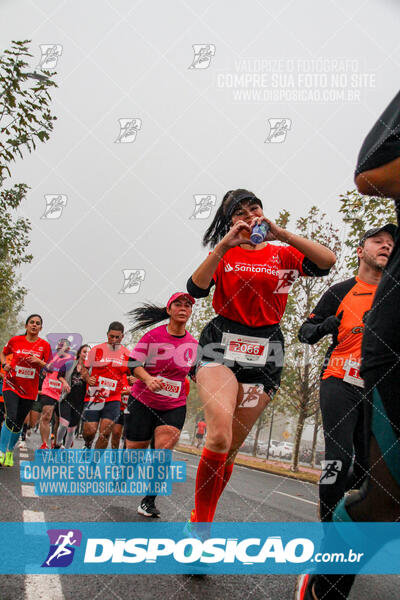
(161, 361)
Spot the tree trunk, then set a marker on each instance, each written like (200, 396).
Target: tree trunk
(299, 431)
(315, 438)
(258, 430)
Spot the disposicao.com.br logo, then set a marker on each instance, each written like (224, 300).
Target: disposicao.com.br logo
(218, 548)
(190, 550)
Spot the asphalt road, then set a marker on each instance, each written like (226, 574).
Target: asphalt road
(250, 496)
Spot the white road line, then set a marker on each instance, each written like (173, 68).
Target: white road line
(28, 491)
(33, 516)
(41, 587)
(295, 497)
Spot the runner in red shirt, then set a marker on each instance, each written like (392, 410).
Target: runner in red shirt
(201, 429)
(243, 345)
(20, 387)
(104, 370)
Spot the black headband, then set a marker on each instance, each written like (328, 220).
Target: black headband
(237, 199)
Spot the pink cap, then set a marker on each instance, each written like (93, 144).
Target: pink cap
(180, 295)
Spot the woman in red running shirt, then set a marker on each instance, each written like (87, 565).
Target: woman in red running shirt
(243, 345)
(20, 386)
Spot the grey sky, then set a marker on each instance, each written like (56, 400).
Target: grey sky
(128, 204)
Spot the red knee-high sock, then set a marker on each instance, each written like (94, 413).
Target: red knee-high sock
(227, 475)
(225, 478)
(209, 481)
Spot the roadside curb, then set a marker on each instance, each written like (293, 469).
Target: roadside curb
(243, 462)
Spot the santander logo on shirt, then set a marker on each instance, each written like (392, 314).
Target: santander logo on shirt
(275, 259)
(242, 267)
(36, 352)
(116, 362)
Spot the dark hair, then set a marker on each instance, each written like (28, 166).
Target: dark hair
(34, 315)
(79, 352)
(115, 326)
(223, 217)
(146, 315)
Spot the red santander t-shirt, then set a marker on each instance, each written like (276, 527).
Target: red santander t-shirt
(252, 286)
(108, 366)
(23, 379)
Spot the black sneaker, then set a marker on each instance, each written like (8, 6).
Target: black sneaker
(148, 509)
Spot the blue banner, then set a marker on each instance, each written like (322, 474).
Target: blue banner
(103, 472)
(248, 548)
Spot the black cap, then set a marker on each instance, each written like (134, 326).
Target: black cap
(237, 199)
(389, 227)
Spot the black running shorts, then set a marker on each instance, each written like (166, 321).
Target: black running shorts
(223, 339)
(143, 420)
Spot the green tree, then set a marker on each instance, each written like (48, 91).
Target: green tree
(13, 244)
(25, 116)
(11, 303)
(25, 119)
(299, 391)
(361, 213)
